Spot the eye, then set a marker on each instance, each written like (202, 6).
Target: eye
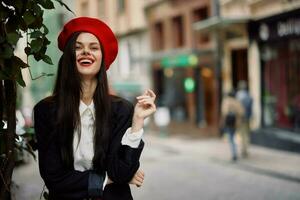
(77, 47)
(95, 48)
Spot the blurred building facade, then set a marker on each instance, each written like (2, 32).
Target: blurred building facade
(129, 74)
(183, 73)
(259, 41)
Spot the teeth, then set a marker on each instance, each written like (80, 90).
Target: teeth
(85, 61)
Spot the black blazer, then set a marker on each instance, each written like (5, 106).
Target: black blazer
(64, 183)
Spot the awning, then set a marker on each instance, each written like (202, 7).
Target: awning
(177, 52)
(215, 22)
(180, 57)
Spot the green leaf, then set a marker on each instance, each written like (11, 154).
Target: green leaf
(37, 56)
(47, 59)
(36, 34)
(28, 17)
(46, 30)
(13, 38)
(63, 4)
(43, 50)
(19, 78)
(47, 4)
(36, 45)
(23, 25)
(37, 24)
(18, 62)
(37, 10)
(27, 50)
(46, 42)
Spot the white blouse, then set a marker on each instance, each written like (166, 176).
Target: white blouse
(84, 150)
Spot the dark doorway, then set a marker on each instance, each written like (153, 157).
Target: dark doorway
(239, 58)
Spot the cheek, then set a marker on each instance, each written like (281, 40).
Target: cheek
(99, 59)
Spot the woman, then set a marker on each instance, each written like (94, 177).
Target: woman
(89, 142)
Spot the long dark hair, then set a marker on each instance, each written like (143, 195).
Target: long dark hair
(67, 93)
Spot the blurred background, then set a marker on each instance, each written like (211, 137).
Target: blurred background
(191, 53)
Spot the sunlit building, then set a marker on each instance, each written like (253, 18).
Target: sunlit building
(259, 43)
(183, 68)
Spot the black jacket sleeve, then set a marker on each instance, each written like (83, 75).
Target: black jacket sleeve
(123, 161)
(62, 183)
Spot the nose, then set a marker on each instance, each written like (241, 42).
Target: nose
(86, 51)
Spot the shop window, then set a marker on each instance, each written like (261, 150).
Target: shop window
(178, 31)
(198, 15)
(281, 85)
(158, 39)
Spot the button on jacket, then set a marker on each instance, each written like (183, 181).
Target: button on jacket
(65, 183)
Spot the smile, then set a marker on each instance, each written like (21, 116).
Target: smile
(85, 62)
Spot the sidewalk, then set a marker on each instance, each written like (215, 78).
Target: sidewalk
(267, 161)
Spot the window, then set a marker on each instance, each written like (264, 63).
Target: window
(281, 84)
(198, 15)
(158, 38)
(178, 36)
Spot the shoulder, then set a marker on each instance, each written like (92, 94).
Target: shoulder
(121, 106)
(46, 105)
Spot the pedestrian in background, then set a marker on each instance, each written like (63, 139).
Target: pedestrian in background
(89, 142)
(246, 100)
(232, 113)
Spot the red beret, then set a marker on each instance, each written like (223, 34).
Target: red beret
(104, 34)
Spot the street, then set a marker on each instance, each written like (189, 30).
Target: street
(177, 168)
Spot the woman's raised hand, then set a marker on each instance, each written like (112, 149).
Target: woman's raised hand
(145, 104)
(144, 108)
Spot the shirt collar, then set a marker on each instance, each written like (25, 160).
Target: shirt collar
(83, 107)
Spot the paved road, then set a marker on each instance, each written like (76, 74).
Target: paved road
(177, 170)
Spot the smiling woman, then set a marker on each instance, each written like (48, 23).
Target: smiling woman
(89, 142)
(88, 55)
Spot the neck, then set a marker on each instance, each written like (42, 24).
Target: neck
(88, 89)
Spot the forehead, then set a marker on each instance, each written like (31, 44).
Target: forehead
(87, 38)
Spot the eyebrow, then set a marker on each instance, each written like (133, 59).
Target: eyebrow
(92, 43)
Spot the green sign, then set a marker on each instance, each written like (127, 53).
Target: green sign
(189, 85)
(179, 61)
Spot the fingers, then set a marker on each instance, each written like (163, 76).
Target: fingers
(146, 101)
(138, 178)
(143, 97)
(148, 93)
(151, 93)
(140, 174)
